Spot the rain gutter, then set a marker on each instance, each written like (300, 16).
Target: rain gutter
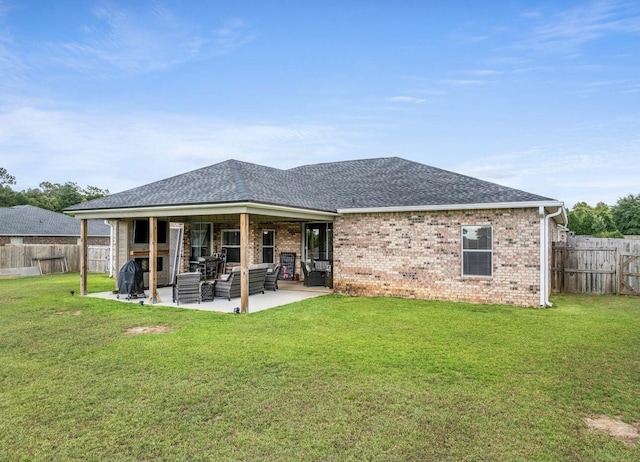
(544, 252)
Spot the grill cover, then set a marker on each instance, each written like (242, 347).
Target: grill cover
(130, 279)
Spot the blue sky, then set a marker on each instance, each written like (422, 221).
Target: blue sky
(541, 96)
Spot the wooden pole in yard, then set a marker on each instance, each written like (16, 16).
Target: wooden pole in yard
(84, 251)
(115, 254)
(244, 262)
(153, 260)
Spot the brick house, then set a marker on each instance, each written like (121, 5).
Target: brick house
(384, 226)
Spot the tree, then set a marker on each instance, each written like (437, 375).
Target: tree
(50, 196)
(93, 192)
(5, 178)
(57, 197)
(8, 197)
(626, 214)
(592, 221)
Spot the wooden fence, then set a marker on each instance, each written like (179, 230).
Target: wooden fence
(588, 265)
(27, 255)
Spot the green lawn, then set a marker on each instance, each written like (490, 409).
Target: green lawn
(331, 378)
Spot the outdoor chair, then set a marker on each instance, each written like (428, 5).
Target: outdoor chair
(313, 278)
(271, 278)
(186, 288)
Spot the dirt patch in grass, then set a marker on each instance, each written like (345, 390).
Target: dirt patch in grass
(149, 330)
(615, 428)
(72, 313)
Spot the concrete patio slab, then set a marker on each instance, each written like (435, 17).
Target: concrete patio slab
(288, 293)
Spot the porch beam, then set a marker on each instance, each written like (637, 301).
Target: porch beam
(153, 260)
(210, 209)
(244, 262)
(84, 251)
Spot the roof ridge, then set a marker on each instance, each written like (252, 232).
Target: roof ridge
(239, 178)
(366, 159)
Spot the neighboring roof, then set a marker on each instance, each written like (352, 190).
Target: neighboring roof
(27, 220)
(357, 184)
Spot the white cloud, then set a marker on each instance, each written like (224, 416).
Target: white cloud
(12, 69)
(405, 99)
(531, 14)
(570, 173)
(126, 40)
(567, 31)
(4, 7)
(633, 88)
(232, 35)
(484, 72)
(462, 82)
(119, 152)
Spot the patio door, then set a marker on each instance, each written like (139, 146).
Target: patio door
(318, 243)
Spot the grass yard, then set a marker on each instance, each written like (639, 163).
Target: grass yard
(331, 378)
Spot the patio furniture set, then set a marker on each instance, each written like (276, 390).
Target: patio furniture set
(191, 287)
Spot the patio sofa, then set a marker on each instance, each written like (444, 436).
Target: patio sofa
(229, 287)
(313, 277)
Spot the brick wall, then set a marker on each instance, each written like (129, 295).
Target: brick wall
(418, 255)
(288, 238)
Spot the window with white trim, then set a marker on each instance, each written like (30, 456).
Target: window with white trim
(477, 254)
(200, 239)
(231, 242)
(268, 246)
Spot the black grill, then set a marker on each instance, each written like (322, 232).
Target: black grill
(131, 280)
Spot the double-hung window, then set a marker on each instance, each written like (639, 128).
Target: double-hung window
(477, 257)
(200, 239)
(231, 243)
(268, 246)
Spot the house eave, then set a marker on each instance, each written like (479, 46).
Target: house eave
(548, 205)
(252, 208)
(51, 235)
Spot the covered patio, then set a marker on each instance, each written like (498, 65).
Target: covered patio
(288, 292)
(225, 207)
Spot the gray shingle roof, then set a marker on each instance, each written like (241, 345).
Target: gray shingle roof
(396, 182)
(368, 183)
(27, 220)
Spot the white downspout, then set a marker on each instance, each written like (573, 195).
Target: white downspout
(544, 255)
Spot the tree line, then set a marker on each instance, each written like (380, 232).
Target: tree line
(619, 220)
(49, 196)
